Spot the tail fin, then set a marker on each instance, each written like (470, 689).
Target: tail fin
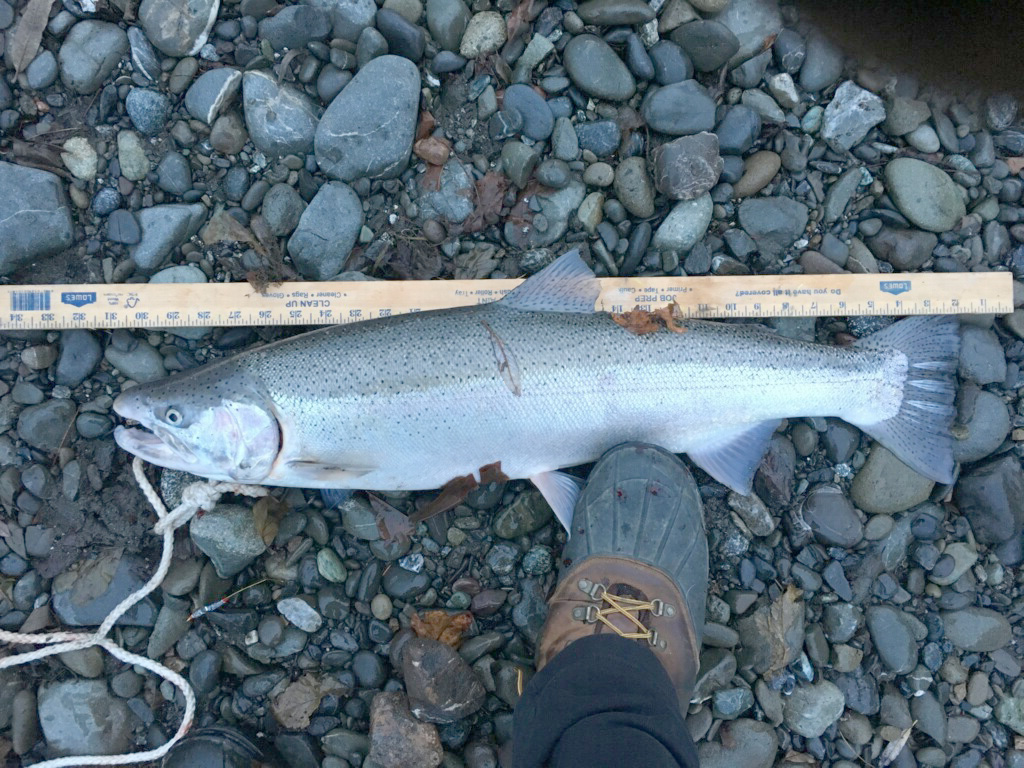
(919, 434)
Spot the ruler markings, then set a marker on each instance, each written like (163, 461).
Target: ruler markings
(234, 304)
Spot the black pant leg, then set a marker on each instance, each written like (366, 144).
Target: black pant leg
(603, 701)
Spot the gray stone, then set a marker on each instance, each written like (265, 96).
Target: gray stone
(280, 119)
(447, 21)
(228, 536)
(526, 514)
(596, 69)
(148, 110)
(171, 625)
(453, 198)
(89, 53)
(978, 630)
(685, 224)
(211, 92)
(367, 131)
(893, 635)
(131, 155)
(885, 485)
(538, 122)
(602, 137)
(981, 356)
(903, 115)
(738, 130)
(929, 716)
(42, 71)
(556, 207)
(986, 426)
(81, 717)
(926, 195)
(282, 207)
(822, 66)
(403, 37)
(564, 141)
(747, 743)
(35, 220)
(633, 187)
(350, 17)
(775, 223)
(80, 353)
(440, 684)
(300, 613)
(905, 249)
(164, 228)
(755, 23)
(47, 426)
(144, 58)
(852, 112)
(671, 64)
(174, 174)
(141, 363)
(991, 497)
(123, 228)
(687, 167)
(85, 596)
(178, 29)
(730, 703)
(679, 109)
(295, 26)
(709, 44)
(1010, 712)
(397, 739)
(811, 709)
(485, 33)
(606, 13)
(326, 231)
(832, 517)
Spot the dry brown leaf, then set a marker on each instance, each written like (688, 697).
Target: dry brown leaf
(893, 748)
(293, 707)
(223, 227)
(426, 125)
(29, 34)
(267, 514)
(392, 525)
(1016, 164)
(445, 627)
(641, 321)
(799, 758)
(490, 196)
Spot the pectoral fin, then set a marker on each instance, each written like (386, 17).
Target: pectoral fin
(560, 491)
(733, 457)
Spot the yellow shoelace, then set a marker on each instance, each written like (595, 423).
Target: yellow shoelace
(628, 607)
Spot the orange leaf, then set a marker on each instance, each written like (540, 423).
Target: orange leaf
(445, 627)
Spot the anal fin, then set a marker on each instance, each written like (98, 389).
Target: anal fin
(733, 458)
(560, 491)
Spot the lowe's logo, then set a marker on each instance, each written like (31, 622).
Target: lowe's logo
(895, 287)
(79, 299)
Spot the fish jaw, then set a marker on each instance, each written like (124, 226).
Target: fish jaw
(224, 439)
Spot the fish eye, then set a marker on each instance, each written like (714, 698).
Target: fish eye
(173, 416)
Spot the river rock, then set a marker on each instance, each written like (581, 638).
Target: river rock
(747, 743)
(228, 536)
(991, 496)
(35, 220)
(596, 69)
(685, 224)
(368, 129)
(978, 630)
(885, 485)
(178, 29)
(775, 223)
(164, 228)
(280, 119)
(852, 112)
(89, 53)
(211, 92)
(326, 232)
(440, 684)
(82, 717)
(687, 167)
(679, 109)
(926, 195)
(811, 709)
(399, 740)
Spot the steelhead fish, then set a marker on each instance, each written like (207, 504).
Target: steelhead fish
(537, 381)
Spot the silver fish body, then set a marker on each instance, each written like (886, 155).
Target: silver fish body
(412, 401)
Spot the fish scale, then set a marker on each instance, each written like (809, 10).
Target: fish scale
(538, 382)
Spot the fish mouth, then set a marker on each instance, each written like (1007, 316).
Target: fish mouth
(161, 449)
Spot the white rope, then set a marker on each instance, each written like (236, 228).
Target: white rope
(195, 497)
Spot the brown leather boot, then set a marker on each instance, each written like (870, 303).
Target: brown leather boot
(636, 562)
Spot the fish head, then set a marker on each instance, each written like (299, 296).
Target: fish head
(209, 426)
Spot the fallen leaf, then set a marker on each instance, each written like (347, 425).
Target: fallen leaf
(893, 748)
(454, 491)
(642, 321)
(267, 513)
(490, 196)
(29, 34)
(1016, 164)
(225, 228)
(521, 16)
(15, 538)
(392, 525)
(445, 627)
(293, 707)
(792, 756)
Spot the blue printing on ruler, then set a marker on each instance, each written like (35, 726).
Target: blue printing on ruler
(30, 301)
(895, 287)
(78, 299)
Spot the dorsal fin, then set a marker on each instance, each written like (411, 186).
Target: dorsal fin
(565, 285)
